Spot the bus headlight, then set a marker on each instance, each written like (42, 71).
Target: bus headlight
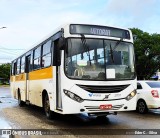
(131, 95)
(73, 96)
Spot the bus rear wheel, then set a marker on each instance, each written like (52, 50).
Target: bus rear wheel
(48, 112)
(20, 102)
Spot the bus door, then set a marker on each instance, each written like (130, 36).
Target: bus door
(58, 88)
(12, 79)
(57, 57)
(28, 61)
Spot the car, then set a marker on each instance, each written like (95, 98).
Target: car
(148, 95)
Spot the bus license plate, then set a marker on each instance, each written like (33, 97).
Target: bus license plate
(105, 107)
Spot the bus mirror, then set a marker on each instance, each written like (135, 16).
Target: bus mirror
(61, 43)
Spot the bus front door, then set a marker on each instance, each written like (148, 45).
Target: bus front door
(58, 88)
(28, 61)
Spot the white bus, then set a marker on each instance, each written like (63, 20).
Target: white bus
(80, 68)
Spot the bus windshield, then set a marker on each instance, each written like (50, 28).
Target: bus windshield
(99, 59)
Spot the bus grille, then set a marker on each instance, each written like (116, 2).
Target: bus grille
(96, 108)
(103, 89)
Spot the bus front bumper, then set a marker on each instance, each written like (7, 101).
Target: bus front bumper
(73, 107)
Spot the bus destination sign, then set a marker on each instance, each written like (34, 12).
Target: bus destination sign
(99, 30)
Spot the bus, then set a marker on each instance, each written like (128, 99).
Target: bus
(79, 68)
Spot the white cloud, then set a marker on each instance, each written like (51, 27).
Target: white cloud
(26, 27)
(33, 27)
(131, 13)
(132, 7)
(30, 20)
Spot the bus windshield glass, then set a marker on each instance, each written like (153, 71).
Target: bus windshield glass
(99, 59)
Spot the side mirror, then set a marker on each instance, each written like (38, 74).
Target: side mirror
(61, 43)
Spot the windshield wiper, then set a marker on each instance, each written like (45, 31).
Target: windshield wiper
(112, 50)
(117, 44)
(86, 48)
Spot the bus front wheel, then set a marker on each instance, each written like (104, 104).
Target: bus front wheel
(48, 112)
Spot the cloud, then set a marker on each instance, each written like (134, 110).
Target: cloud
(130, 13)
(29, 21)
(129, 5)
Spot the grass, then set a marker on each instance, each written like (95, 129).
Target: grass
(4, 85)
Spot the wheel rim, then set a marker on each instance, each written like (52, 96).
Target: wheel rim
(141, 107)
(47, 107)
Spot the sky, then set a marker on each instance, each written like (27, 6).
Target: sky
(29, 21)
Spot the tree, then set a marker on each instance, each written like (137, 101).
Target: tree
(147, 53)
(5, 71)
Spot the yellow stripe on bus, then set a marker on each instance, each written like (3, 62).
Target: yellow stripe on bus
(20, 77)
(45, 73)
(11, 78)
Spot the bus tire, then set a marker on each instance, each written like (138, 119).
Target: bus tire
(49, 114)
(20, 102)
(142, 107)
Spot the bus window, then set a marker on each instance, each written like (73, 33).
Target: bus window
(37, 58)
(12, 69)
(46, 54)
(22, 64)
(31, 62)
(18, 66)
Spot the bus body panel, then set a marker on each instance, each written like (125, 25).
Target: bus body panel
(18, 84)
(39, 80)
(72, 107)
(116, 99)
(12, 86)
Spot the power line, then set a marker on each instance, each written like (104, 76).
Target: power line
(8, 58)
(11, 49)
(4, 50)
(8, 52)
(1, 47)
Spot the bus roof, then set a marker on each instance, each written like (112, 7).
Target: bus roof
(66, 30)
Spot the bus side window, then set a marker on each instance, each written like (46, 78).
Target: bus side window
(22, 64)
(46, 54)
(15, 68)
(18, 66)
(37, 58)
(31, 62)
(12, 69)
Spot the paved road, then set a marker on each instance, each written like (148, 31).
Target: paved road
(31, 117)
